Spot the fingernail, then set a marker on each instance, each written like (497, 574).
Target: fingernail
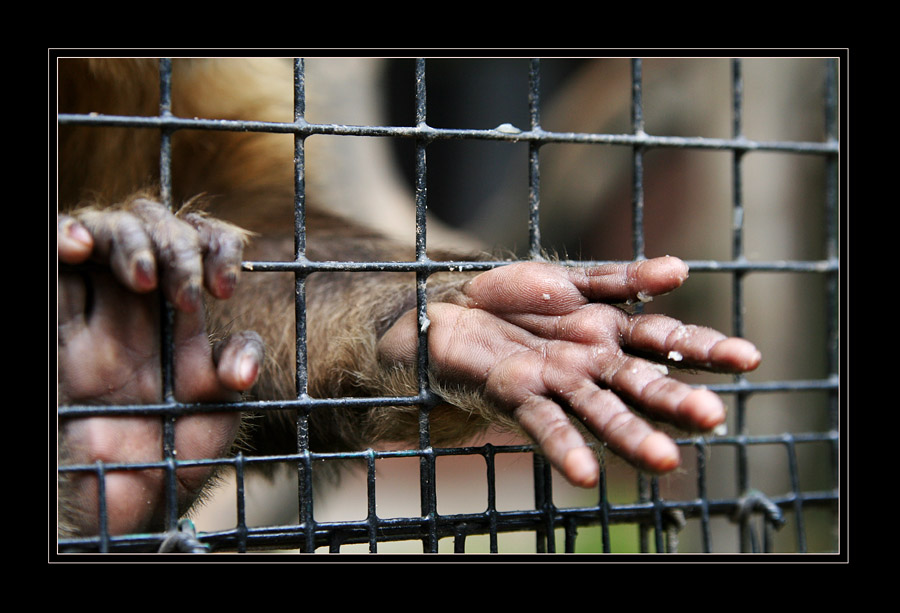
(226, 283)
(248, 370)
(75, 242)
(144, 271)
(188, 298)
(754, 360)
(78, 233)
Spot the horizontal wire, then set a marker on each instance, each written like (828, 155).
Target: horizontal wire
(428, 133)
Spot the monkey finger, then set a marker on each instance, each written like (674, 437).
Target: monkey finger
(238, 360)
(632, 281)
(625, 433)
(649, 389)
(178, 253)
(696, 346)
(121, 240)
(560, 441)
(605, 413)
(222, 244)
(73, 241)
(547, 289)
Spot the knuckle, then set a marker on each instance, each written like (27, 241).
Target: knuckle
(218, 239)
(615, 423)
(554, 429)
(663, 393)
(680, 334)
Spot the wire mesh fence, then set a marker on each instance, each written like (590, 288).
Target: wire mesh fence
(769, 483)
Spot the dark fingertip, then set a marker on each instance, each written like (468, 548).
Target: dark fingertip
(188, 298)
(144, 272)
(225, 284)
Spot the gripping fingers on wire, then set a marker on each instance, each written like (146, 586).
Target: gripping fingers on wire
(148, 247)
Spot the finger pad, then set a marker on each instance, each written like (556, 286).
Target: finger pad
(581, 467)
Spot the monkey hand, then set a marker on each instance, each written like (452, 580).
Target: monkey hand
(109, 353)
(541, 342)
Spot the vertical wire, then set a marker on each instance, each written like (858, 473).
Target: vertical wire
(490, 459)
(542, 476)
(604, 512)
(459, 537)
(738, 278)
(794, 472)
(427, 460)
(167, 343)
(304, 466)
(534, 172)
(543, 502)
(165, 150)
(643, 488)
(302, 381)
(103, 519)
(637, 126)
(637, 232)
(658, 529)
(571, 534)
(371, 509)
(421, 202)
(240, 493)
(706, 534)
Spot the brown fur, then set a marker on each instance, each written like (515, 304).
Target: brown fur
(248, 180)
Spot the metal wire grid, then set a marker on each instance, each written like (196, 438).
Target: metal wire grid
(756, 514)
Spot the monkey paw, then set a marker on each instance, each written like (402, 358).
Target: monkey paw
(542, 342)
(109, 349)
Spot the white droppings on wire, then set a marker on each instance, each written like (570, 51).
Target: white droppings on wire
(508, 128)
